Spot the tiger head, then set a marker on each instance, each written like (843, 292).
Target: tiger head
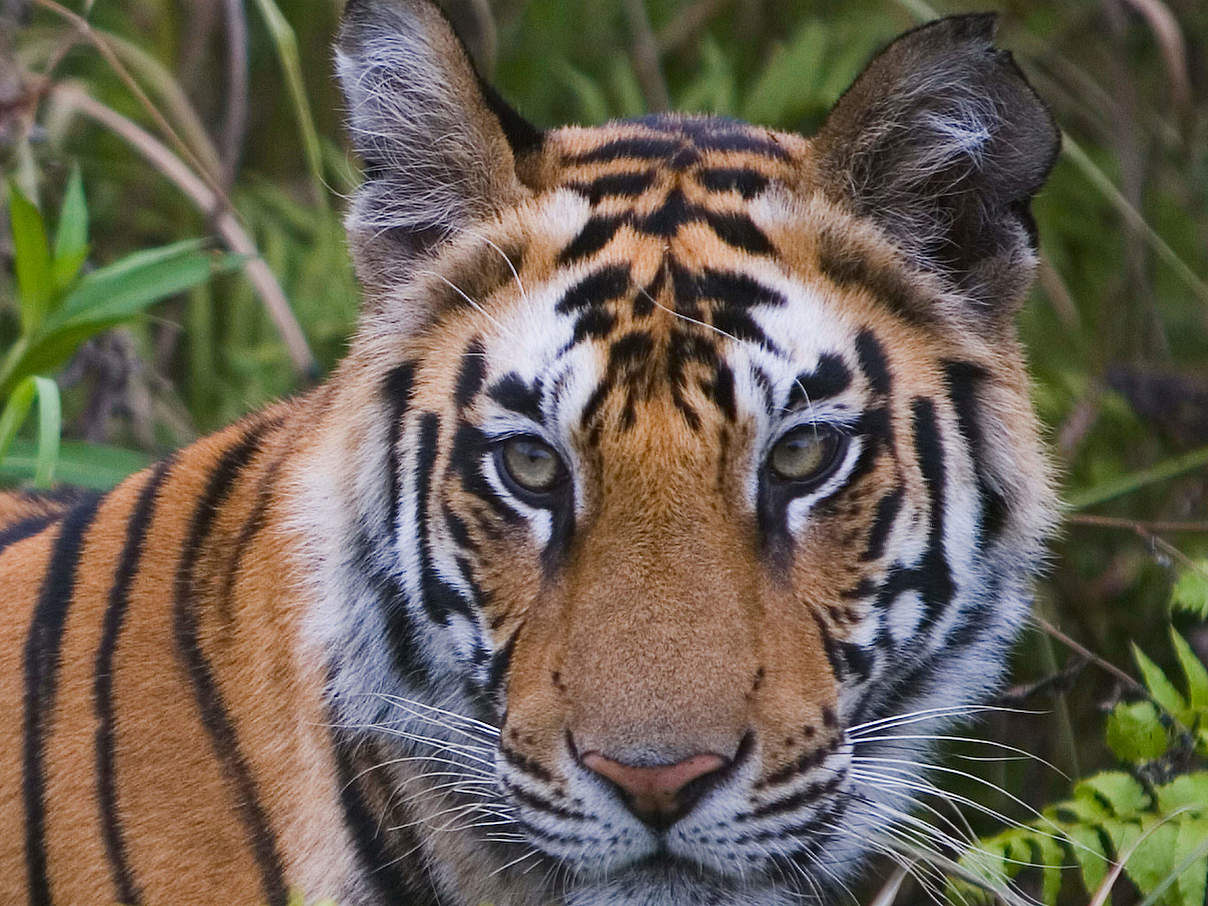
(679, 468)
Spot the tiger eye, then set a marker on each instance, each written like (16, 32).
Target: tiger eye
(531, 463)
(806, 453)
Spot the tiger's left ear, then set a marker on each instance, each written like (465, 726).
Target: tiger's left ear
(438, 144)
(942, 142)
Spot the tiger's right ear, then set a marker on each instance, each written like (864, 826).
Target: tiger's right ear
(438, 144)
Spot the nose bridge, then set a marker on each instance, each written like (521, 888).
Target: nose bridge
(661, 650)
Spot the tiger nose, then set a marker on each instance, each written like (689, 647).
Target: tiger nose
(659, 794)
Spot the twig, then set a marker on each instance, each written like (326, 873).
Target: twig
(234, 125)
(210, 203)
(690, 20)
(1052, 631)
(1055, 683)
(1141, 527)
(90, 34)
(646, 57)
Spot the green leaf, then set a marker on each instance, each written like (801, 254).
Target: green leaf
(787, 86)
(1190, 846)
(15, 411)
(81, 464)
(1116, 790)
(1153, 858)
(1186, 790)
(50, 424)
(1135, 732)
(123, 289)
(1190, 592)
(35, 284)
(1162, 689)
(1194, 670)
(71, 233)
(1087, 848)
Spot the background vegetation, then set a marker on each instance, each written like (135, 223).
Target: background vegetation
(174, 178)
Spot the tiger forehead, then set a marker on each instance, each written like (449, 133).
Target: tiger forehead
(657, 155)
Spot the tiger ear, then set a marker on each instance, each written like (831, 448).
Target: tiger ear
(438, 144)
(942, 142)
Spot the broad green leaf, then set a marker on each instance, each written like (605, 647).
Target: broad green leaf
(1087, 848)
(82, 464)
(1153, 858)
(1161, 688)
(1135, 732)
(71, 233)
(124, 288)
(50, 425)
(35, 284)
(1194, 670)
(1190, 592)
(1186, 790)
(1190, 843)
(1115, 789)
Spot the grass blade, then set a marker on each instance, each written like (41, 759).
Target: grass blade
(286, 44)
(50, 426)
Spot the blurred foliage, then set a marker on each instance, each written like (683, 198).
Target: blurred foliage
(1117, 329)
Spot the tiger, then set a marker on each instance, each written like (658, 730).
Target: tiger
(680, 479)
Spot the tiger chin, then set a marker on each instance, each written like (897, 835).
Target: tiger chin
(680, 482)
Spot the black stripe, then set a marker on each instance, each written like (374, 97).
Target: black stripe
(963, 380)
(736, 289)
(213, 710)
(748, 183)
(595, 289)
(396, 390)
(383, 870)
(627, 184)
(640, 147)
(42, 653)
(595, 234)
(830, 377)
(247, 534)
(26, 528)
(470, 376)
(137, 525)
(887, 511)
(873, 362)
(511, 392)
(440, 599)
(739, 231)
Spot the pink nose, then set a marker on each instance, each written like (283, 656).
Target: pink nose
(656, 794)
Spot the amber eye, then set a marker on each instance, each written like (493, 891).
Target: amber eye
(531, 463)
(808, 453)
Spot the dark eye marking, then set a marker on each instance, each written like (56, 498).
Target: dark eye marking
(830, 377)
(511, 392)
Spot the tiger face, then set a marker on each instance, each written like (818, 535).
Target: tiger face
(679, 469)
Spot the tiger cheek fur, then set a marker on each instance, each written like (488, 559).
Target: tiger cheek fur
(680, 479)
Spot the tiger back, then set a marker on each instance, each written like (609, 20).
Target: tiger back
(677, 469)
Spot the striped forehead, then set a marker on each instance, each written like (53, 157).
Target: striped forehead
(663, 285)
